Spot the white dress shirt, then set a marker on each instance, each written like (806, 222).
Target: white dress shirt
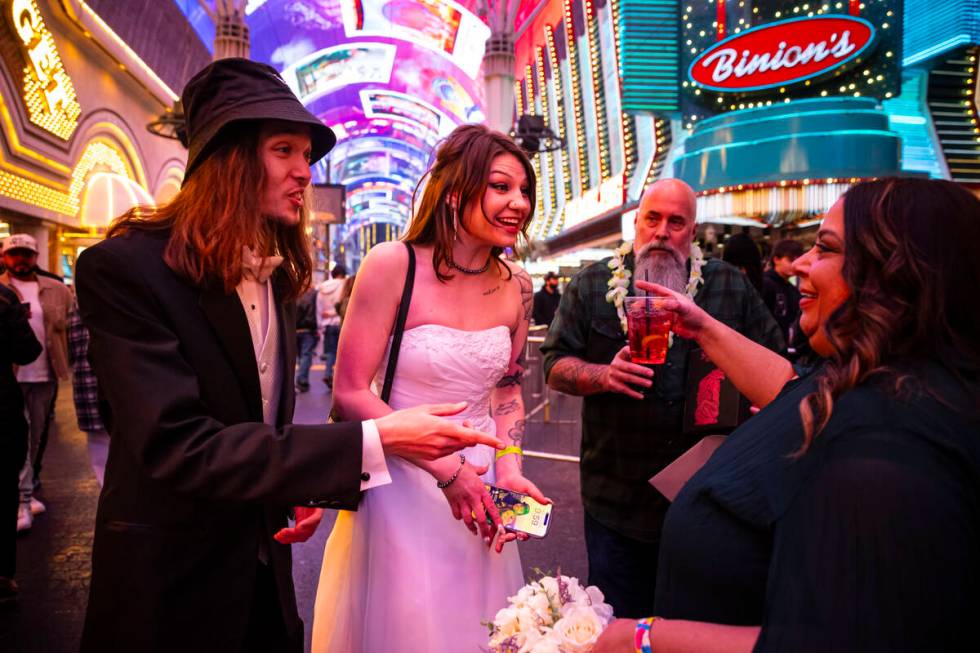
(259, 304)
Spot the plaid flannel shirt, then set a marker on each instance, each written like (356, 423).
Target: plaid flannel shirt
(84, 384)
(626, 441)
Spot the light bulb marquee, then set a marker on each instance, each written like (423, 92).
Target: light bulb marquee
(740, 54)
(48, 92)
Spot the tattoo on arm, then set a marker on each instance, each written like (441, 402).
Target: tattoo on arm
(576, 377)
(527, 294)
(509, 380)
(507, 408)
(516, 432)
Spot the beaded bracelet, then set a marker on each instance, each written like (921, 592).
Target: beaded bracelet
(442, 485)
(641, 639)
(508, 450)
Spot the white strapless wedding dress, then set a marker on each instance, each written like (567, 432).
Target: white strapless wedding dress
(401, 574)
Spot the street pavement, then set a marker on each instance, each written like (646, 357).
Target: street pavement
(54, 557)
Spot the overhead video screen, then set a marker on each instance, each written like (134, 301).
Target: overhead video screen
(389, 104)
(440, 25)
(334, 68)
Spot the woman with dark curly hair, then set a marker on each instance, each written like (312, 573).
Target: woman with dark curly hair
(846, 515)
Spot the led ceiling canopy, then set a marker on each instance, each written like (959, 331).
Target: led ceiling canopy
(390, 77)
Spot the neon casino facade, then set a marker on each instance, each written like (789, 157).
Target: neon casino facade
(768, 108)
(75, 99)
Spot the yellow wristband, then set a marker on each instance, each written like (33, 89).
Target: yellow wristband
(508, 450)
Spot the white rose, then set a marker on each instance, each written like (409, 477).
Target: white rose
(527, 620)
(505, 623)
(578, 630)
(601, 608)
(529, 640)
(548, 643)
(549, 586)
(523, 595)
(541, 606)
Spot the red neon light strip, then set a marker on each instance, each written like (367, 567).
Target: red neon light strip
(854, 7)
(720, 18)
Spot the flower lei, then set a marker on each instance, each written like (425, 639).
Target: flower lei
(620, 282)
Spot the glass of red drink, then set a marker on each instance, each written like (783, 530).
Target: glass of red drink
(648, 328)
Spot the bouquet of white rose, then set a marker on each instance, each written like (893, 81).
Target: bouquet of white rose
(551, 615)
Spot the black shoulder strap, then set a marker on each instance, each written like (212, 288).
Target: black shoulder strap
(396, 340)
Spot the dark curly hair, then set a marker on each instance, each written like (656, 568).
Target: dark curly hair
(911, 268)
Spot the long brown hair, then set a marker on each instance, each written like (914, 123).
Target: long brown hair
(217, 212)
(459, 176)
(912, 272)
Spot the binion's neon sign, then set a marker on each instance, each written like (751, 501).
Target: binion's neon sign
(782, 53)
(48, 91)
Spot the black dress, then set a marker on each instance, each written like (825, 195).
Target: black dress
(868, 542)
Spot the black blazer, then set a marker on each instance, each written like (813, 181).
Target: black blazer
(195, 483)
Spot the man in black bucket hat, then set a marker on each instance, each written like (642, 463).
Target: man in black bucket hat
(248, 91)
(192, 319)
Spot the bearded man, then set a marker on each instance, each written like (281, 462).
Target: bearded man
(632, 414)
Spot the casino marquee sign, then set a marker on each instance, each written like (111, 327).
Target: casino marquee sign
(782, 53)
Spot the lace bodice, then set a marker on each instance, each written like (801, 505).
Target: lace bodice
(440, 364)
(387, 565)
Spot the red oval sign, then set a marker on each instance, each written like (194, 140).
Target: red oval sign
(778, 54)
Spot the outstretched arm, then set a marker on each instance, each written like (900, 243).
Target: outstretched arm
(678, 636)
(758, 372)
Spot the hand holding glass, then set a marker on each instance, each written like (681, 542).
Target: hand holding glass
(648, 329)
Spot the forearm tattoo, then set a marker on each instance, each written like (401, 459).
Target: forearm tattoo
(507, 408)
(576, 377)
(516, 432)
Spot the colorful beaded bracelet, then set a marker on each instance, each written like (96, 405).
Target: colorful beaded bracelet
(641, 639)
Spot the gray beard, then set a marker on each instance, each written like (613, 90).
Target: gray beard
(661, 266)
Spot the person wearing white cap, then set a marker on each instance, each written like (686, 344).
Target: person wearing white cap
(50, 303)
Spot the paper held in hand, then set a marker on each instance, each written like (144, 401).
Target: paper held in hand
(672, 478)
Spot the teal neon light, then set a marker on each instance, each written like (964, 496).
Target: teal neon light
(649, 55)
(760, 141)
(939, 48)
(797, 108)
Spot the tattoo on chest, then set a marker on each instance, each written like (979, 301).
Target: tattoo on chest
(507, 408)
(491, 291)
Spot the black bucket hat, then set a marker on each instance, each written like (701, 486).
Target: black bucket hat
(233, 90)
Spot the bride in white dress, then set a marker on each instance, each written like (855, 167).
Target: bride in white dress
(401, 573)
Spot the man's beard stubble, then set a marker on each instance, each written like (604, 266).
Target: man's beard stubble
(662, 265)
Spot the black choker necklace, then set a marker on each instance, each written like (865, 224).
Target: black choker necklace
(486, 266)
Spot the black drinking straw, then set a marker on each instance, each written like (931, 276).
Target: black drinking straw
(646, 307)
